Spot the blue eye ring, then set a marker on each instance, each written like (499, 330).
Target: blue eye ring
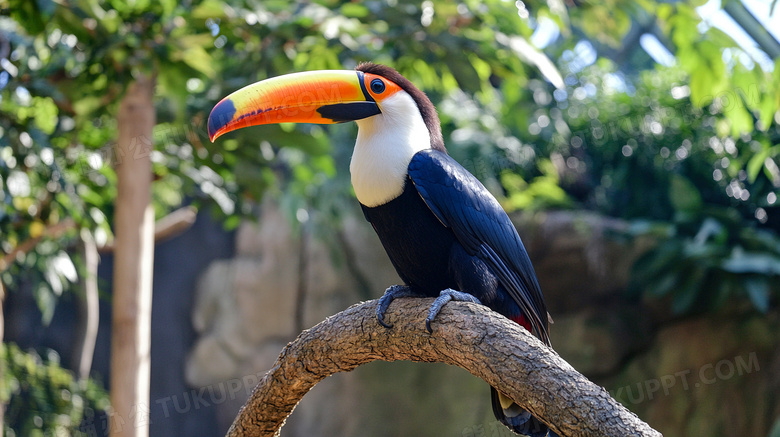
(377, 86)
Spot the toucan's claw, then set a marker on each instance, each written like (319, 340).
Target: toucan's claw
(444, 297)
(392, 292)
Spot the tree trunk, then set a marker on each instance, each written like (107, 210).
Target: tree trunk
(466, 335)
(133, 258)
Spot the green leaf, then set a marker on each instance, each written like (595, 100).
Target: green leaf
(168, 7)
(45, 114)
(721, 290)
(657, 261)
(710, 228)
(756, 163)
(199, 59)
(663, 285)
(758, 291)
(739, 118)
(46, 300)
(90, 196)
(685, 296)
(745, 262)
(767, 110)
(208, 9)
(87, 105)
(683, 194)
(29, 12)
(703, 62)
(185, 42)
(232, 222)
(354, 10)
(464, 73)
(643, 227)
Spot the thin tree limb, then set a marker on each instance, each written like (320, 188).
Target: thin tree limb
(167, 227)
(88, 307)
(53, 231)
(465, 335)
(172, 225)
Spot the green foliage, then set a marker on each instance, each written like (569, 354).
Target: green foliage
(69, 67)
(543, 192)
(42, 398)
(52, 178)
(703, 261)
(639, 148)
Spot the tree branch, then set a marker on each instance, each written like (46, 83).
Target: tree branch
(53, 231)
(167, 227)
(465, 335)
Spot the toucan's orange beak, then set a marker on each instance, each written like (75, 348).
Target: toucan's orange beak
(321, 97)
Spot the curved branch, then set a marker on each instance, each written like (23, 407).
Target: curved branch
(466, 335)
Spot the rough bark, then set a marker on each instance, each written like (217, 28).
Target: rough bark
(469, 336)
(133, 260)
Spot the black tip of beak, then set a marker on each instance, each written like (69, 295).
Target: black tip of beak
(221, 115)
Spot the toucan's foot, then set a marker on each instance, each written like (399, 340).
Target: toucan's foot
(444, 297)
(391, 293)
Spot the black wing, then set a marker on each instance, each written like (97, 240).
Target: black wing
(463, 204)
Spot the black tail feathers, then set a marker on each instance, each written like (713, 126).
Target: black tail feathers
(517, 419)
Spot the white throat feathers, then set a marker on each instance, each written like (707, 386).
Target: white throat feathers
(385, 145)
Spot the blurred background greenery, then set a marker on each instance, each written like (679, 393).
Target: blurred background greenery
(663, 114)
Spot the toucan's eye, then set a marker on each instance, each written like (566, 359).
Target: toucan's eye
(377, 86)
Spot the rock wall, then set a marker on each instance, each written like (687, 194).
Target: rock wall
(714, 375)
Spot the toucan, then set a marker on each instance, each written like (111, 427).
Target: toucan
(445, 233)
